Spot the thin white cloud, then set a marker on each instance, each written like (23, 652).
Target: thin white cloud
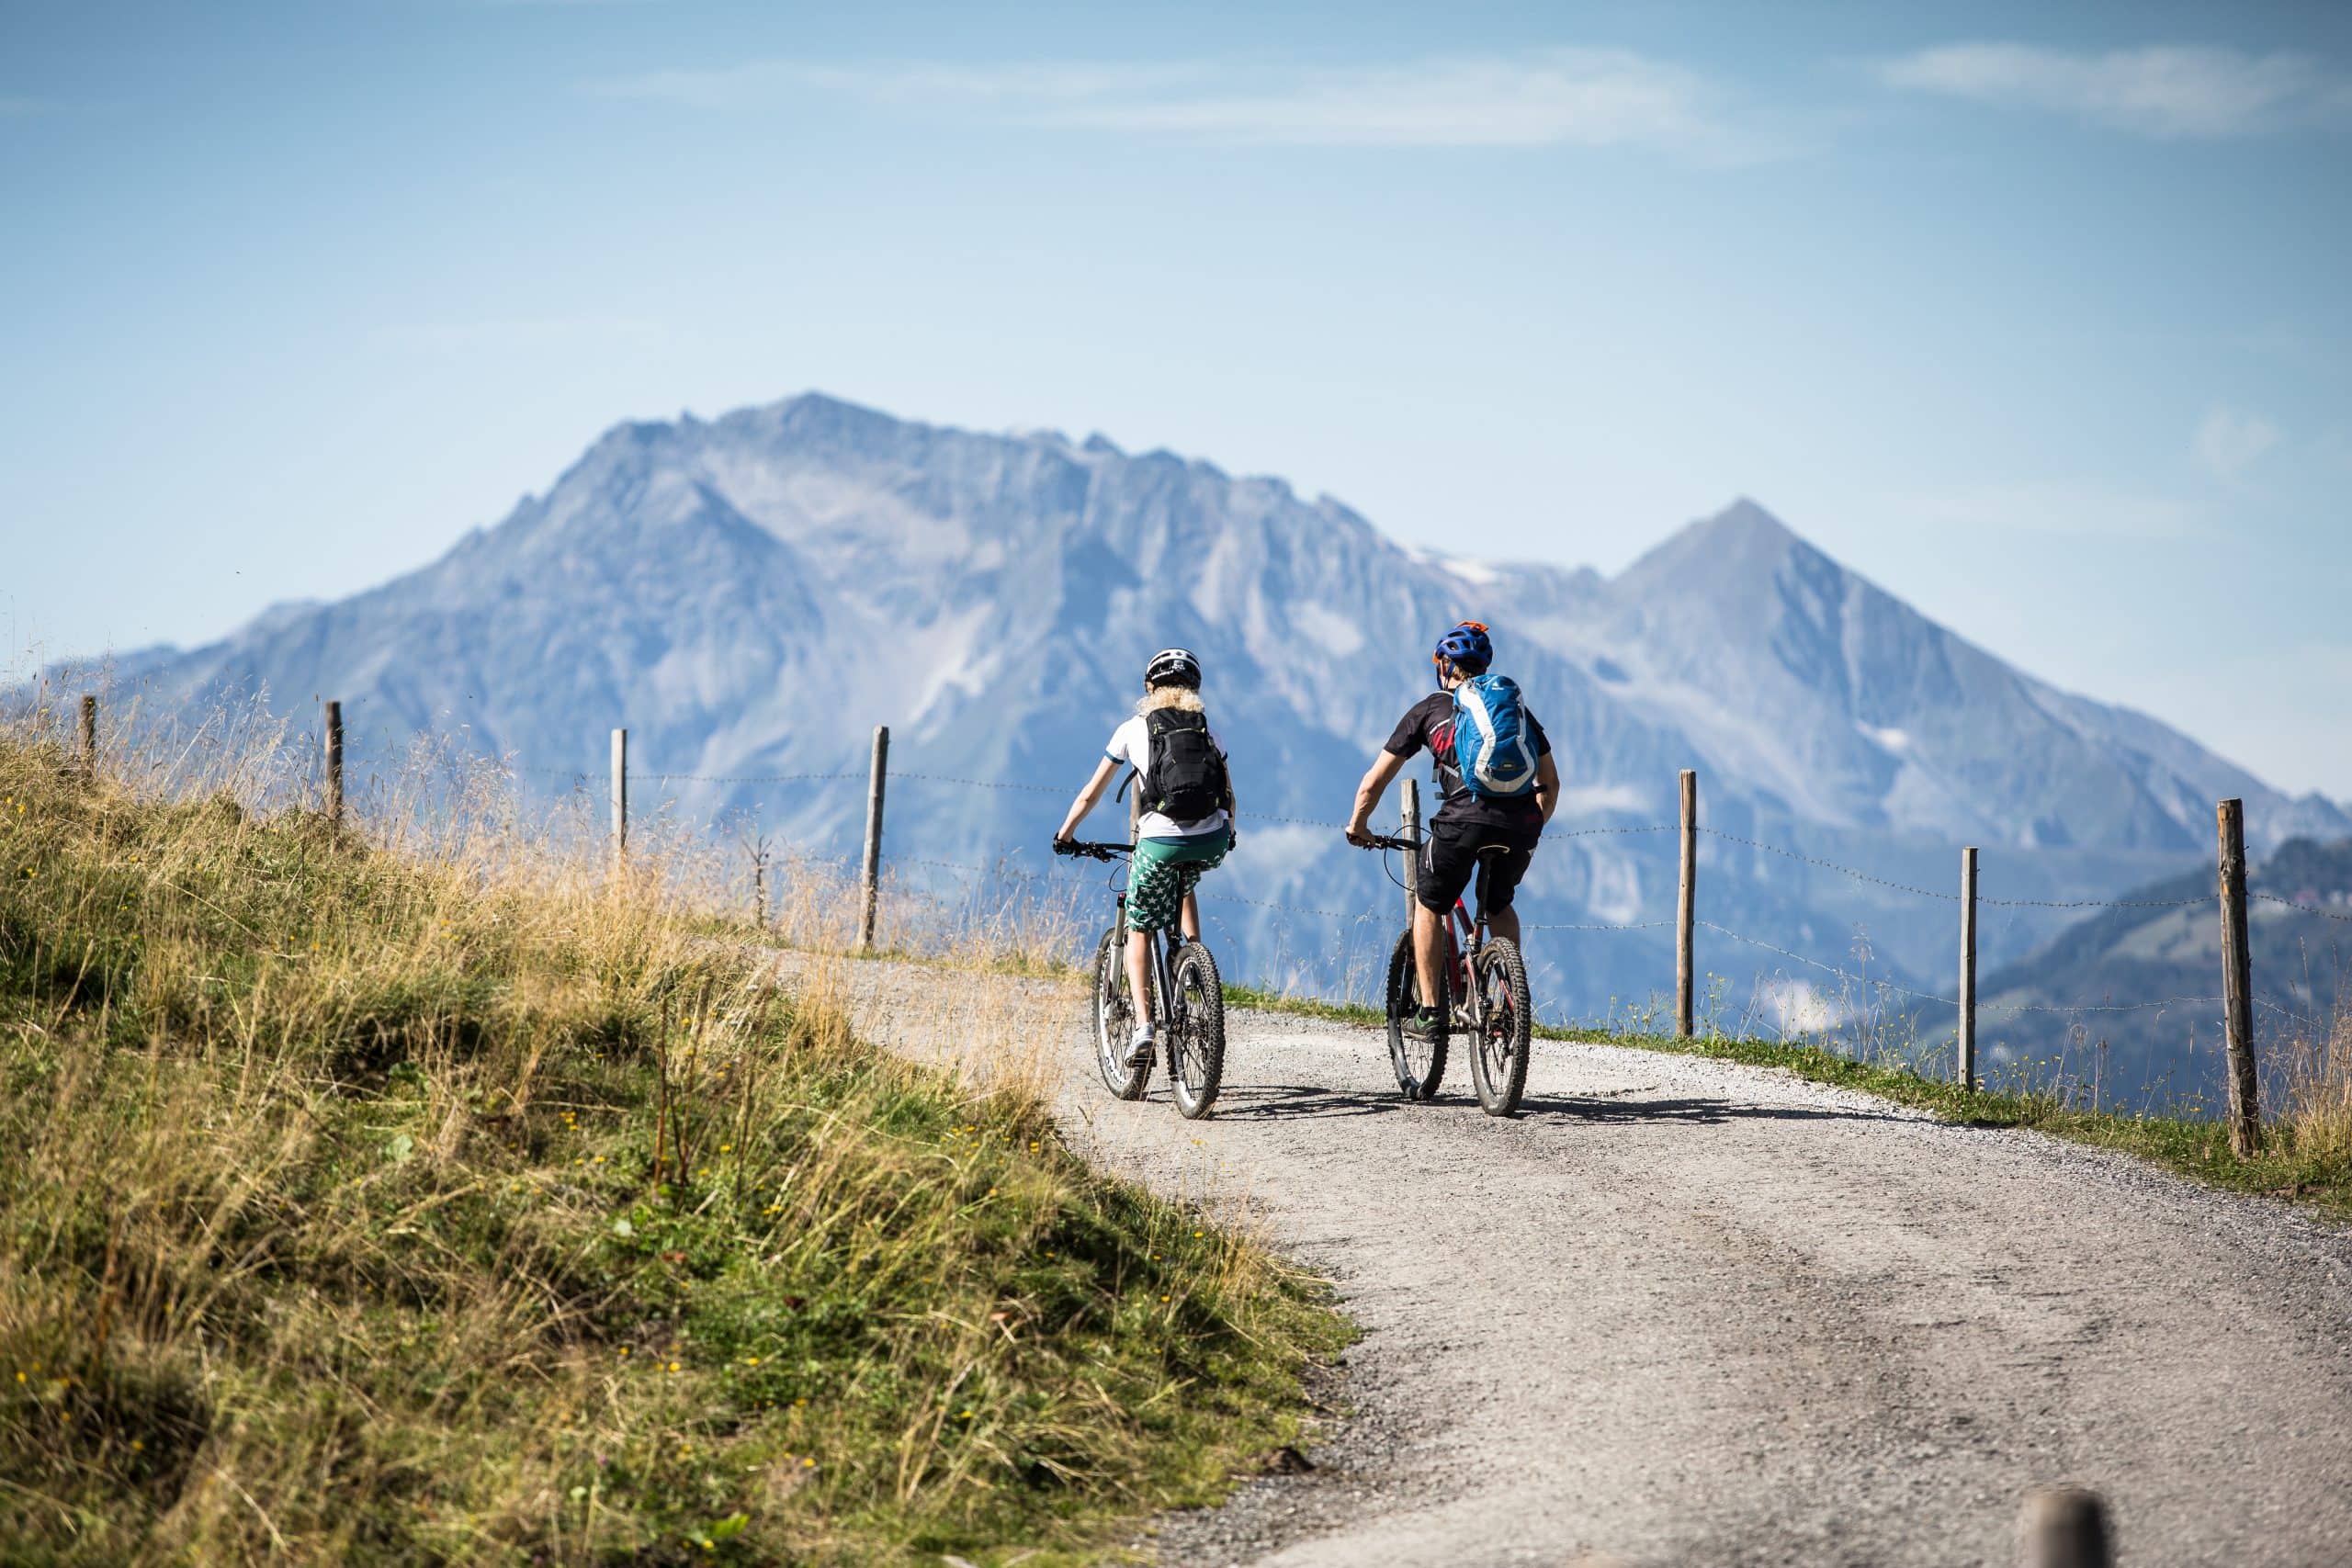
(2228, 441)
(2061, 506)
(521, 334)
(769, 84)
(1551, 97)
(2160, 91)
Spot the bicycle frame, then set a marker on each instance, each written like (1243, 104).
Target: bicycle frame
(1465, 938)
(1162, 978)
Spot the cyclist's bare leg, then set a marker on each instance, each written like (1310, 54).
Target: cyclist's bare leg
(1192, 916)
(1139, 975)
(1428, 950)
(1504, 924)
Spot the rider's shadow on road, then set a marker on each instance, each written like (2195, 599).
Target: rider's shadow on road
(1283, 1103)
(1627, 1107)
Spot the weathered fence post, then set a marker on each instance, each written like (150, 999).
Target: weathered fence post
(759, 887)
(1968, 968)
(620, 798)
(2065, 1526)
(870, 880)
(89, 749)
(1410, 827)
(1686, 908)
(2237, 981)
(333, 741)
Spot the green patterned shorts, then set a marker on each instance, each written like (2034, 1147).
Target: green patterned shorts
(1162, 873)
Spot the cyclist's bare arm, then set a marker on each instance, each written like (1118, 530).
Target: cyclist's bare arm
(1547, 786)
(1383, 767)
(1104, 772)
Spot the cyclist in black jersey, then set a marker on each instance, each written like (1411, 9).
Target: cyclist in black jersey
(1465, 821)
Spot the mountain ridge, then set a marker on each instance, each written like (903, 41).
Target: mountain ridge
(748, 593)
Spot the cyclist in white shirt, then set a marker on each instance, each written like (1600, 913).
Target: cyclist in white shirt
(1187, 822)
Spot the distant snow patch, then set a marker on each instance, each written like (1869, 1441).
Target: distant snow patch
(1797, 1007)
(1478, 573)
(1340, 635)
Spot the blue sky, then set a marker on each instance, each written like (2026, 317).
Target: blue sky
(2036, 315)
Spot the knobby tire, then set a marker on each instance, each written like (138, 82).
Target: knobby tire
(1498, 1055)
(1114, 1023)
(1420, 1065)
(1195, 1031)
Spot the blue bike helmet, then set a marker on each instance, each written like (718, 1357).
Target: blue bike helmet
(1467, 647)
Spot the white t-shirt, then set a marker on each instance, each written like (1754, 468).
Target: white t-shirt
(1131, 744)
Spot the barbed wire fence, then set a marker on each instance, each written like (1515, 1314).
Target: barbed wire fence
(1359, 937)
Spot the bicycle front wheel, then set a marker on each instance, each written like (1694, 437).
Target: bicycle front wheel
(1195, 1031)
(1420, 1064)
(1115, 1022)
(1505, 1028)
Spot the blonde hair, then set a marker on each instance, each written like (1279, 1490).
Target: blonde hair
(1160, 697)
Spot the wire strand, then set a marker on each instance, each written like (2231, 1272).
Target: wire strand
(2298, 908)
(1826, 968)
(1831, 865)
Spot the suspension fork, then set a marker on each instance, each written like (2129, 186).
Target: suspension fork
(1163, 977)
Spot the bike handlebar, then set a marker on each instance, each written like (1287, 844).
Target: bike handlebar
(1092, 852)
(1390, 841)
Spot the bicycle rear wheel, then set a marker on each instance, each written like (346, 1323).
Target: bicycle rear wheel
(1499, 1054)
(1114, 1023)
(1420, 1064)
(1195, 1031)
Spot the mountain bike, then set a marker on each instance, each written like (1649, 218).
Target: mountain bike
(1187, 1008)
(1484, 981)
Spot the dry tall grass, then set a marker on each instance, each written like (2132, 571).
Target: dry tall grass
(431, 1192)
(2310, 1085)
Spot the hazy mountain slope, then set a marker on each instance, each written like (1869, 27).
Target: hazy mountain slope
(2140, 954)
(1841, 705)
(748, 595)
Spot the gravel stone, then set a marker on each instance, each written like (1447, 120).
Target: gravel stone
(1691, 1312)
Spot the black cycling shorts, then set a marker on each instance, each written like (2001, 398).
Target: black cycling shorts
(1452, 855)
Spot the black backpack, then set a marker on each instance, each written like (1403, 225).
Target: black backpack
(1188, 779)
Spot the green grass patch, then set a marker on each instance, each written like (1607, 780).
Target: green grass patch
(458, 1209)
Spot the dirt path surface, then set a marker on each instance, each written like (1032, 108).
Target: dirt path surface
(1684, 1312)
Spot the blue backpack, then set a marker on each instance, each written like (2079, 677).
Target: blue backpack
(1493, 747)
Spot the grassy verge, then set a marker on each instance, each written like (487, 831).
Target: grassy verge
(471, 1205)
(2306, 1155)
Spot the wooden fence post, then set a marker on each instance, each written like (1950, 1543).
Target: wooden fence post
(1685, 906)
(333, 741)
(2237, 981)
(1410, 827)
(870, 881)
(87, 757)
(620, 798)
(2065, 1526)
(759, 887)
(1968, 968)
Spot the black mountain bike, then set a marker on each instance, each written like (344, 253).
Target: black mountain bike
(1483, 981)
(1187, 1008)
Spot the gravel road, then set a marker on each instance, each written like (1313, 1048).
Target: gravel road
(1684, 1312)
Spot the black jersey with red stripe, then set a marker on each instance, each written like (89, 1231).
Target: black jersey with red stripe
(1427, 726)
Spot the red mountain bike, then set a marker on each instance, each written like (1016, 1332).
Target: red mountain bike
(1484, 983)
